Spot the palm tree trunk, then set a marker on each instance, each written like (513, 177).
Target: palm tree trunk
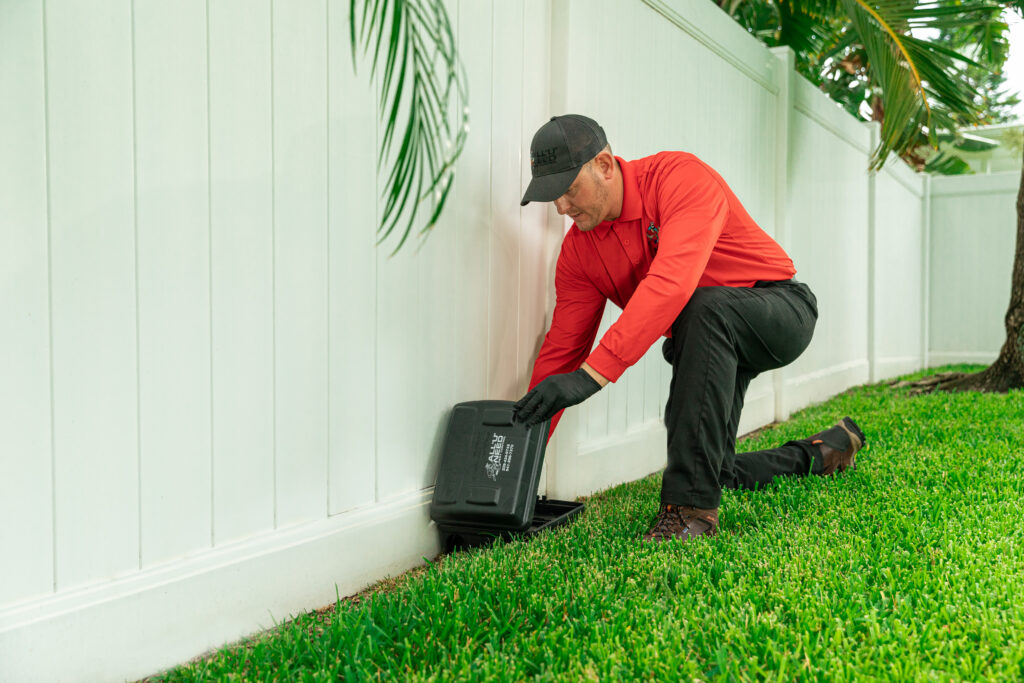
(1007, 372)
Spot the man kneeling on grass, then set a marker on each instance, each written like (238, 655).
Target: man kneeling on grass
(666, 240)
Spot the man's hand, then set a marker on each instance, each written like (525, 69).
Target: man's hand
(553, 394)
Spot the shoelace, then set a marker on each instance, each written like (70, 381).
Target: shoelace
(669, 521)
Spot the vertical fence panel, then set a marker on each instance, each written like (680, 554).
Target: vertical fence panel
(655, 395)
(89, 62)
(26, 493)
(174, 278)
(400, 325)
(972, 241)
(300, 258)
(352, 337)
(438, 299)
(926, 229)
(241, 191)
(398, 386)
(899, 271)
(780, 136)
(828, 216)
(400, 409)
(506, 119)
(471, 207)
(635, 414)
(535, 260)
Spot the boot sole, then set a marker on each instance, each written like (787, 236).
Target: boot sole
(852, 426)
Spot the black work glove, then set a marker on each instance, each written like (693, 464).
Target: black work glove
(553, 394)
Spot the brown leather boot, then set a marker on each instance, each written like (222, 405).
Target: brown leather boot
(683, 522)
(839, 444)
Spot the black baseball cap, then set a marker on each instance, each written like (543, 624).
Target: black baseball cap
(559, 150)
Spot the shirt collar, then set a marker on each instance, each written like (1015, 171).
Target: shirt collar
(631, 205)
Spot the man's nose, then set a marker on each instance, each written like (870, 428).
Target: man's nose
(562, 206)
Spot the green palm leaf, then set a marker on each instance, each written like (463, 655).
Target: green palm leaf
(919, 79)
(878, 51)
(422, 81)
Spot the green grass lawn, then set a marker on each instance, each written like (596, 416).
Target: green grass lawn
(909, 568)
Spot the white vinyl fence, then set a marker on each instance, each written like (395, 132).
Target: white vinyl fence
(971, 250)
(223, 405)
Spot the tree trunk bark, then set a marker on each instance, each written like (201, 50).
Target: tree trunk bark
(1007, 372)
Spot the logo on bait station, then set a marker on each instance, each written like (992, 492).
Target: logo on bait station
(499, 458)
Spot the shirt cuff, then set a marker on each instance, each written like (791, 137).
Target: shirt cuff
(607, 364)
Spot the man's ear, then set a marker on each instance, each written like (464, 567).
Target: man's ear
(604, 164)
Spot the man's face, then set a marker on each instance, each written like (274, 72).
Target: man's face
(586, 201)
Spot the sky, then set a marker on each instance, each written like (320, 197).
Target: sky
(1014, 67)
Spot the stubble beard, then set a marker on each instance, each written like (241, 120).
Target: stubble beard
(595, 216)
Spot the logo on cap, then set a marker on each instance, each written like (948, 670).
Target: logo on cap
(543, 157)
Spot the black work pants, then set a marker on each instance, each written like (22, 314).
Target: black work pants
(721, 340)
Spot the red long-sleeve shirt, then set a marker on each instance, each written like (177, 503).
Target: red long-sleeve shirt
(705, 237)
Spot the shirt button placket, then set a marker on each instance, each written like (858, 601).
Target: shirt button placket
(632, 257)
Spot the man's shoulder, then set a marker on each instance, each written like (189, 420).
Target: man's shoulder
(666, 161)
(667, 156)
(672, 169)
(572, 241)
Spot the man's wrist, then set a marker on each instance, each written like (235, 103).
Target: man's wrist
(594, 374)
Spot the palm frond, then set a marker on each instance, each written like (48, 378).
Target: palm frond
(945, 163)
(803, 28)
(920, 80)
(422, 80)
(895, 61)
(906, 107)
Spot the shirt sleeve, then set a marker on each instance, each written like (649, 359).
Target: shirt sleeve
(574, 323)
(693, 208)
